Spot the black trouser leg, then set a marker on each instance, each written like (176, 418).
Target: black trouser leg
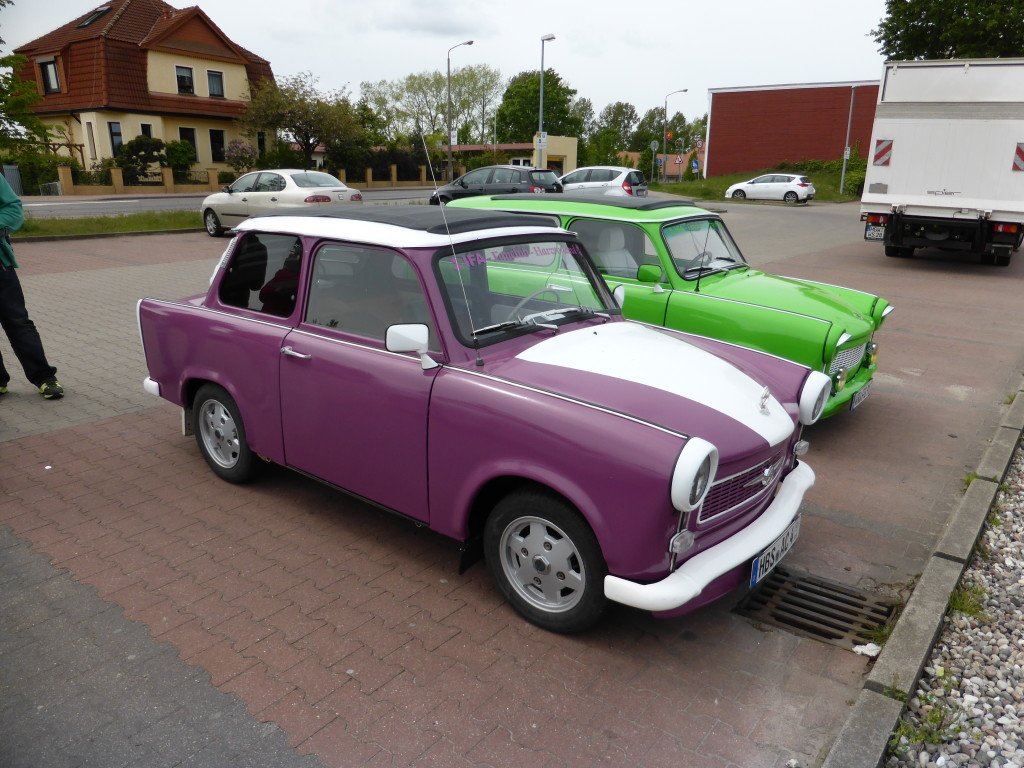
(21, 332)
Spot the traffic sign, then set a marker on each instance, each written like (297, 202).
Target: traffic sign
(693, 164)
(659, 161)
(699, 143)
(678, 160)
(542, 140)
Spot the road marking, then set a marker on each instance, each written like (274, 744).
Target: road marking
(78, 202)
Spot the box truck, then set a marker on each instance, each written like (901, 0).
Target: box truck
(946, 162)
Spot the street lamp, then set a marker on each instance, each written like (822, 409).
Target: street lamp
(540, 123)
(846, 147)
(449, 142)
(664, 128)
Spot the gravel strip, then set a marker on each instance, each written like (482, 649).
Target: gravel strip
(969, 702)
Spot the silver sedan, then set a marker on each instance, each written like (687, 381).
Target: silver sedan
(279, 190)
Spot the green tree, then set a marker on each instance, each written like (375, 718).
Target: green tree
(19, 125)
(647, 129)
(517, 116)
(180, 155)
(135, 157)
(951, 29)
(620, 119)
(302, 112)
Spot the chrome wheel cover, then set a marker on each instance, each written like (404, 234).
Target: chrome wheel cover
(211, 222)
(542, 564)
(219, 433)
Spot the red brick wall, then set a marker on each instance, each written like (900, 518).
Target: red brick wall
(754, 130)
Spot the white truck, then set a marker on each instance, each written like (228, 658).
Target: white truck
(946, 162)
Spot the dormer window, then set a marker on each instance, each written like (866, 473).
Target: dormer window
(93, 16)
(48, 70)
(185, 82)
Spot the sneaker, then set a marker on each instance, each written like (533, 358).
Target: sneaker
(3, 389)
(51, 390)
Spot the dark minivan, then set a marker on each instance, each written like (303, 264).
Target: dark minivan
(497, 180)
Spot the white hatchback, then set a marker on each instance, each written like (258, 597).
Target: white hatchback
(280, 190)
(789, 187)
(599, 180)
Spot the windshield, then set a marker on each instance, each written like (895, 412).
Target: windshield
(511, 288)
(315, 179)
(698, 246)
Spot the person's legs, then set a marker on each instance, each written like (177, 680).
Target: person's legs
(21, 332)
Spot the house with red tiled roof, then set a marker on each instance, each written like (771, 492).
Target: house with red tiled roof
(141, 67)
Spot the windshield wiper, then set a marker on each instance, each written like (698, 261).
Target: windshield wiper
(585, 312)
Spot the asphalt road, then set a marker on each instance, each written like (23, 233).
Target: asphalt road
(66, 207)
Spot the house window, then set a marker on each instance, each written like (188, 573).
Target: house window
(91, 139)
(217, 145)
(93, 16)
(48, 69)
(115, 136)
(216, 82)
(184, 75)
(189, 135)
(261, 144)
(146, 129)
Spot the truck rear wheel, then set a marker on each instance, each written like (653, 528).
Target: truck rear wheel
(1002, 257)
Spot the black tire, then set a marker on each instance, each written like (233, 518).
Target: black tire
(1002, 257)
(212, 223)
(790, 197)
(1020, 241)
(220, 435)
(739, 194)
(539, 532)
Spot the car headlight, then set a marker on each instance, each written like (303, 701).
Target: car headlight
(813, 396)
(695, 469)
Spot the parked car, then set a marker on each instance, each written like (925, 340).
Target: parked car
(789, 187)
(471, 372)
(497, 180)
(680, 268)
(275, 191)
(602, 180)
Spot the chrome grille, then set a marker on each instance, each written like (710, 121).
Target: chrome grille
(729, 493)
(850, 359)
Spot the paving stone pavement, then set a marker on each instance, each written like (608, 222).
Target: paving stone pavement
(342, 629)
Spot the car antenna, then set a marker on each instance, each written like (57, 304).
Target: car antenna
(455, 258)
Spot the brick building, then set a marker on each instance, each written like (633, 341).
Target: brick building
(756, 127)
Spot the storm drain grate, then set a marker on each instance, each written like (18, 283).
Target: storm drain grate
(824, 610)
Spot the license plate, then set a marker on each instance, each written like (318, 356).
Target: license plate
(874, 232)
(765, 563)
(641, 193)
(860, 395)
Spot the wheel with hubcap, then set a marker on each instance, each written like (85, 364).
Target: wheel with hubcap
(739, 194)
(546, 560)
(790, 197)
(212, 223)
(221, 435)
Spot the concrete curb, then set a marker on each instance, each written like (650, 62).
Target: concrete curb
(864, 737)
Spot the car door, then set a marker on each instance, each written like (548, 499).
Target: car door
(619, 250)
(760, 188)
(353, 413)
(235, 205)
(575, 181)
(503, 181)
(472, 184)
(265, 196)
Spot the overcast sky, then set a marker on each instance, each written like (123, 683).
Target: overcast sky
(608, 51)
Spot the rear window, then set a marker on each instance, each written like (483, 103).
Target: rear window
(635, 178)
(315, 179)
(543, 177)
(805, 180)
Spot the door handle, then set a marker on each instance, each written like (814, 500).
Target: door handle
(292, 353)
(273, 199)
(245, 199)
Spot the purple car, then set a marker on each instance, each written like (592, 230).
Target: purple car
(469, 370)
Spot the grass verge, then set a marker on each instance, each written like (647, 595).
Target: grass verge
(148, 221)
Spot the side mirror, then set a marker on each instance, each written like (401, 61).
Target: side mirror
(619, 294)
(410, 337)
(226, 188)
(462, 183)
(648, 273)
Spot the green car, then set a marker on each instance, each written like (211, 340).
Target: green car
(680, 268)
